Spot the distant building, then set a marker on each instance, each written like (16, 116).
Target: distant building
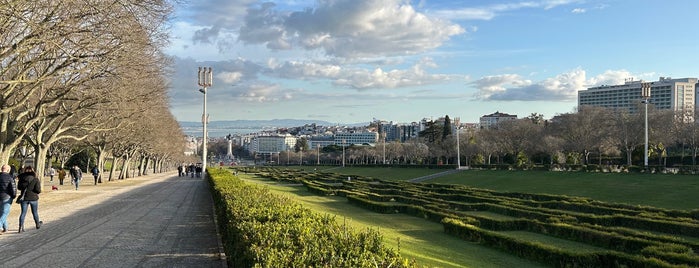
(361, 138)
(665, 94)
(273, 144)
(490, 120)
(316, 141)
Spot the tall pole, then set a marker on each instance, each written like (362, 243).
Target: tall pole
(458, 153)
(343, 153)
(384, 148)
(318, 163)
(204, 80)
(301, 157)
(645, 94)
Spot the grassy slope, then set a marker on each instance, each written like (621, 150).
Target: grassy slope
(419, 239)
(658, 190)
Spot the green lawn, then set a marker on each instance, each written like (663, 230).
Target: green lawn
(658, 190)
(419, 239)
(383, 173)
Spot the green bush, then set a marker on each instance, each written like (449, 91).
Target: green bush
(261, 229)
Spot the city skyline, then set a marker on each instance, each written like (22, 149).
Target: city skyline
(352, 61)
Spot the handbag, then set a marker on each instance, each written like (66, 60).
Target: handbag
(21, 197)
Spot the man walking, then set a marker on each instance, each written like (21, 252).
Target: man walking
(95, 173)
(76, 174)
(8, 191)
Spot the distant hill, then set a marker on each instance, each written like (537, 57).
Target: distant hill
(262, 124)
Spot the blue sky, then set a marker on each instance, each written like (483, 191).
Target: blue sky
(349, 61)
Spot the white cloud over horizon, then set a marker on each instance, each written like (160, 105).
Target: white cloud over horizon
(407, 58)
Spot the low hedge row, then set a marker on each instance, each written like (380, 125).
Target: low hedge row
(260, 229)
(545, 253)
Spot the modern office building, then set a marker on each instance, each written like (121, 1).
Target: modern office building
(666, 93)
(490, 120)
(273, 143)
(361, 138)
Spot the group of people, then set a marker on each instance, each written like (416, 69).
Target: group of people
(76, 175)
(192, 170)
(25, 191)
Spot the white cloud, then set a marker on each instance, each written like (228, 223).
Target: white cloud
(492, 11)
(578, 10)
(348, 28)
(362, 79)
(562, 87)
(229, 77)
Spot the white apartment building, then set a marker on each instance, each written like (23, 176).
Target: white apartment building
(273, 144)
(666, 93)
(347, 139)
(490, 120)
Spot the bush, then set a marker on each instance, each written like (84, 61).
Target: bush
(264, 230)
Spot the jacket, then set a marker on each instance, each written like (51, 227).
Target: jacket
(8, 190)
(29, 183)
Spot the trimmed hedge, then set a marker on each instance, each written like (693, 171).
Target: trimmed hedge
(544, 253)
(261, 229)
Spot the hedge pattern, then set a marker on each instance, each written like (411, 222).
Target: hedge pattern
(629, 236)
(261, 229)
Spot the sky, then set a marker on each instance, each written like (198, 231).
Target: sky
(351, 61)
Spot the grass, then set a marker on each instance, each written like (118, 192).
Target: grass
(416, 238)
(657, 190)
(552, 241)
(384, 173)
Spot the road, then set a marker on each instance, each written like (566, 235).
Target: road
(150, 221)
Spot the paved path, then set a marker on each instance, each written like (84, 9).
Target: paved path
(150, 221)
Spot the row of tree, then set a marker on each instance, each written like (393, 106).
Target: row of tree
(86, 74)
(591, 135)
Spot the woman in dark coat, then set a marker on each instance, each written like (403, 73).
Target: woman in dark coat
(30, 186)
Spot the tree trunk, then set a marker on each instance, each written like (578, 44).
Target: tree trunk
(629, 152)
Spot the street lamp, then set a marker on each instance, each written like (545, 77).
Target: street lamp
(301, 157)
(204, 79)
(343, 152)
(318, 155)
(384, 148)
(458, 153)
(645, 95)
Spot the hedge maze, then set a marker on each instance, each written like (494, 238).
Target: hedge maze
(556, 230)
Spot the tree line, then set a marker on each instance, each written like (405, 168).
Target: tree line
(588, 136)
(86, 75)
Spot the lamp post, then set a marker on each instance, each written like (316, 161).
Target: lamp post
(384, 149)
(301, 157)
(204, 80)
(318, 155)
(645, 95)
(343, 152)
(458, 153)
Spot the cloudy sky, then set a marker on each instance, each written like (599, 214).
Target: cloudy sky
(349, 61)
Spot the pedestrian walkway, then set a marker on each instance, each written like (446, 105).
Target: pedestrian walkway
(157, 220)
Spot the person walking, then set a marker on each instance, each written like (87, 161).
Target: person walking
(61, 176)
(76, 174)
(8, 191)
(95, 173)
(30, 186)
(52, 172)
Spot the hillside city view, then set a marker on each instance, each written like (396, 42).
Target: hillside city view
(349, 133)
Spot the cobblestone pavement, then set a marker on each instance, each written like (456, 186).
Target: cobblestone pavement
(156, 220)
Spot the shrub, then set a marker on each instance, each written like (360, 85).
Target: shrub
(264, 230)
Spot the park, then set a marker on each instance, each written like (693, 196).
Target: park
(447, 223)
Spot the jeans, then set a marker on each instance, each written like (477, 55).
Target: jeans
(77, 183)
(4, 212)
(35, 211)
